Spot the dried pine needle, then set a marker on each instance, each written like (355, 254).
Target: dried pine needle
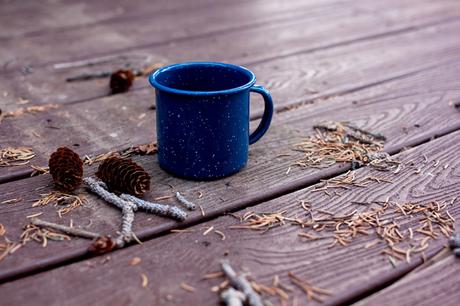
(163, 198)
(201, 210)
(182, 231)
(30, 110)
(39, 170)
(312, 292)
(208, 230)
(342, 142)
(34, 215)
(213, 275)
(12, 201)
(143, 149)
(41, 235)
(135, 261)
(2, 230)
(262, 221)
(8, 247)
(145, 280)
(187, 287)
(221, 234)
(10, 157)
(67, 202)
(401, 243)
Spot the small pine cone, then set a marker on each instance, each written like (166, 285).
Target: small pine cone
(121, 81)
(124, 176)
(66, 168)
(102, 245)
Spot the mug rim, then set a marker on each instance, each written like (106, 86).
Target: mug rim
(153, 79)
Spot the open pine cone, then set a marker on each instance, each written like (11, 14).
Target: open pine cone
(124, 176)
(66, 168)
(121, 81)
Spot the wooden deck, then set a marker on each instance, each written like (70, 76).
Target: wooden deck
(390, 67)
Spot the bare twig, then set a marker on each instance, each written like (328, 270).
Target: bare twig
(126, 234)
(241, 283)
(189, 205)
(232, 297)
(65, 229)
(157, 209)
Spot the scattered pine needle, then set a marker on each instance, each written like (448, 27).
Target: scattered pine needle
(213, 275)
(339, 142)
(312, 292)
(221, 234)
(145, 280)
(208, 230)
(163, 198)
(187, 287)
(381, 219)
(182, 231)
(34, 215)
(41, 235)
(29, 110)
(67, 202)
(12, 201)
(135, 261)
(10, 157)
(201, 210)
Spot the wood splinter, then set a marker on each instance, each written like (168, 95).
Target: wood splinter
(241, 283)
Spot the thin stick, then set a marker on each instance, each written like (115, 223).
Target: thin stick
(98, 188)
(189, 205)
(126, 234)
(232, 297)
(65, 229)
(241, 283)
(156, 208)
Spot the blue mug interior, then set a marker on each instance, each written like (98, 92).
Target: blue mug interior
(202, 78)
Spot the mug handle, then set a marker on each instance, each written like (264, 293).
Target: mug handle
(266, 117)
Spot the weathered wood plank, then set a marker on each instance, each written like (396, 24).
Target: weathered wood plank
(31, 18)
(436, 284)
(175, 258)
(129, 33)
(111, 122)
(408, 111)
(281, 35)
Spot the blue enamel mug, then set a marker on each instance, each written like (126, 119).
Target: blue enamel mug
(202, 111)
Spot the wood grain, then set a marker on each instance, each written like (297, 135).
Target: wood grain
(47, 18)
(408, 112)
(436, 284)
(186, 257)
(122, 33)
(280, 35)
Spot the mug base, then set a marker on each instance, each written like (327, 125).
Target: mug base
(200, 177)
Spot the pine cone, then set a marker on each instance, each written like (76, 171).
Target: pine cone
(66, 168)
(102, 245)
(121, 81)
(124, 176)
